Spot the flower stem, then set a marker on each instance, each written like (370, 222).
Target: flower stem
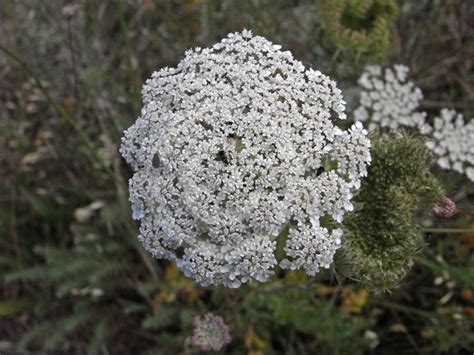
(406, 309)
(469, 213)
(61, 112)
(448, 230)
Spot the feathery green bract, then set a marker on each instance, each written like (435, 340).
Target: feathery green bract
(360, 27)
(73, 294)
(382, 236)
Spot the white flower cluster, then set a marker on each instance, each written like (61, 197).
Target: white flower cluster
(389, 100)
(452, 141)
(234, 146)
(210, 333)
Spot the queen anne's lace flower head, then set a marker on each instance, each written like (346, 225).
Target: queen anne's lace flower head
(452, 141)
(234, 146)
(210, 333)
(389, 100)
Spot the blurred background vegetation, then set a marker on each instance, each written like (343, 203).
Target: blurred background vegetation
(75, 279)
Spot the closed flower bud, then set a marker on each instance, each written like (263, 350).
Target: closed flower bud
(445, 207)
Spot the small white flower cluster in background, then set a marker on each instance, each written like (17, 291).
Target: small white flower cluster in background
(234, 146)
(452, 141)
(389, 100)
(210, 333)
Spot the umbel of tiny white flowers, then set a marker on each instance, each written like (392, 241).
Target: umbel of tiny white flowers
(210, 333)
(389, 100)
(452, 141)
(233, 146)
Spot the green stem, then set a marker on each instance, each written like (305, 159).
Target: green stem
(61, 112)
(281, 241)
(405, 309)
(132, 74)
(448, 230)
(468, 213)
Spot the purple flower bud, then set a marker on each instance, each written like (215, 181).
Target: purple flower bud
(210, 333)
(445, 207)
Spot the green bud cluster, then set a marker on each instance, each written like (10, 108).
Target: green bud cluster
(382, 236)
(358, 26)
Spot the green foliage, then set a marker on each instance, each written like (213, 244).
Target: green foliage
(462, 274)
(383, 237)
(300, 313)
(13, 306)
(82, 279)
(359, 28)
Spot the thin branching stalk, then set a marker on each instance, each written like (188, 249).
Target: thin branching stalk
(129, 55)
(73, 60)
(13, 228)
(448, 230)
(406, 309)
(93, 155)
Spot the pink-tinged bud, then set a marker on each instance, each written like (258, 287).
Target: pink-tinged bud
(69, 11)
(445, 207)
(210, 333)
